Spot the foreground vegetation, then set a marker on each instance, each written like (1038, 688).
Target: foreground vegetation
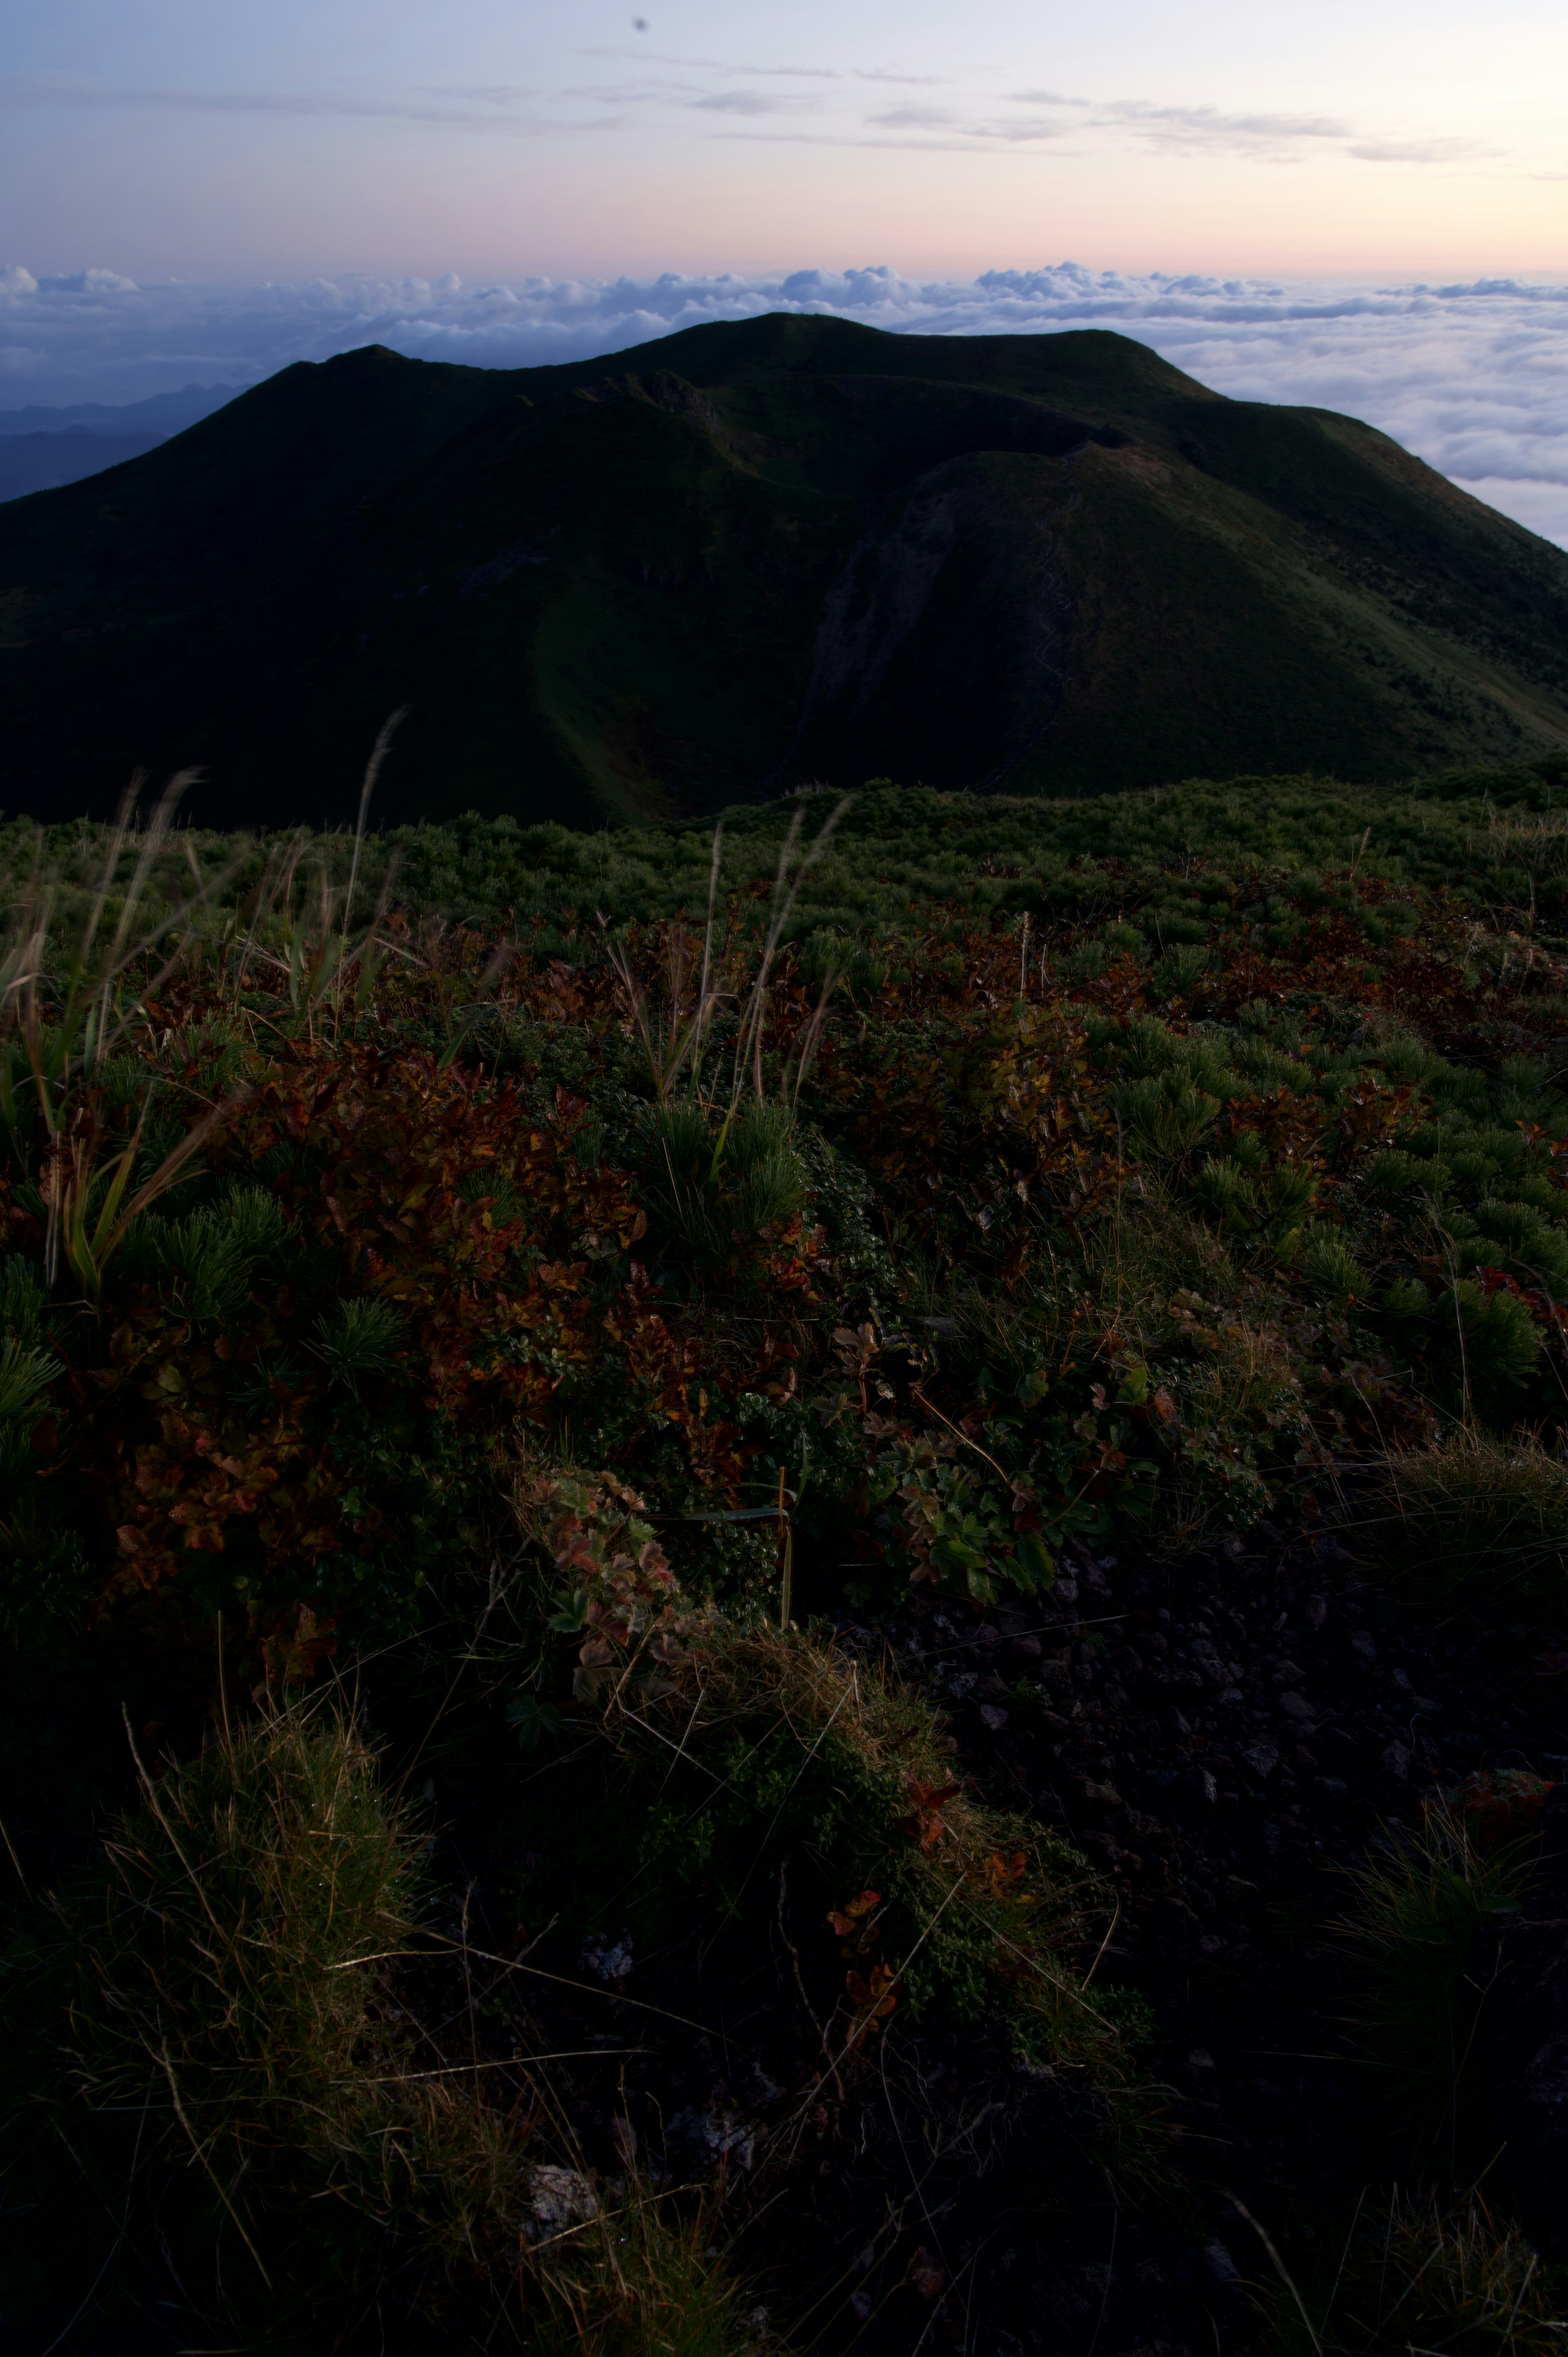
(489, 1315)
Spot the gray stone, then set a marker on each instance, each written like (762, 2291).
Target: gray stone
(558, 2198)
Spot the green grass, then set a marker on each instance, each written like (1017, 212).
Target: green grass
(1480, 1518)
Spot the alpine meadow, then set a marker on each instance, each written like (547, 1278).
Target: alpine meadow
(783, 1429)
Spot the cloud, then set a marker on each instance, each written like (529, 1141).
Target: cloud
(913, 118)
(1190, 127)
(1422, 151)
(750, 101)
(88, 282)
(1181, 131)
(1205, 126)
(958, 139)
(490, 109)
(514, 110)
(783, 73)
(1473, 376)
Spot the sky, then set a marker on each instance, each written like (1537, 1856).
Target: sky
(1356, 202)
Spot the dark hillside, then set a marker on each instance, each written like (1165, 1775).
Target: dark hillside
(748, 556)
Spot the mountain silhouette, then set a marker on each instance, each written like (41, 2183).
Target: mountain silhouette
(749, 556)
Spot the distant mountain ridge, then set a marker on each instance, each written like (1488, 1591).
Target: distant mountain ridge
(159, 412)
(747, 557)
(41, 448)
(42, 462)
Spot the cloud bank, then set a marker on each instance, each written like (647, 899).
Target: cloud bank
(968, 120)
(1474, 378)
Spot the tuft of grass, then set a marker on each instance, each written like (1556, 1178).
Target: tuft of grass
(180, 2018)
(719, 1180)
(215, 1980)
(647, 2285)
(1479, 1515)
(1417, 2280)
(721, 1169)
(213, 2043)
(1422, 1901)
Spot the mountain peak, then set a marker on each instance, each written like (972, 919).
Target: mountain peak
(757, 553)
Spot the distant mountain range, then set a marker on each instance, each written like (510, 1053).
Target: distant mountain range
(750, 557)
(41, 448)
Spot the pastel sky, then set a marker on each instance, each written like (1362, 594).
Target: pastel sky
(1357, 203)
(210, 139)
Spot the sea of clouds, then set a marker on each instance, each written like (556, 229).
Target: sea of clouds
(1474, 378)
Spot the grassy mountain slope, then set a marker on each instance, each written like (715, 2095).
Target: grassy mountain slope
(750, 556)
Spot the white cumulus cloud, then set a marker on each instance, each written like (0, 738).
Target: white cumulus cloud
(1473, 377)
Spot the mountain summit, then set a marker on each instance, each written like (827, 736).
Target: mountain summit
(748, 556)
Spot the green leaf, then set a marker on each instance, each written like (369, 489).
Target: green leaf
(536, 1722)
(954, 1555)
(1034, 1566)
